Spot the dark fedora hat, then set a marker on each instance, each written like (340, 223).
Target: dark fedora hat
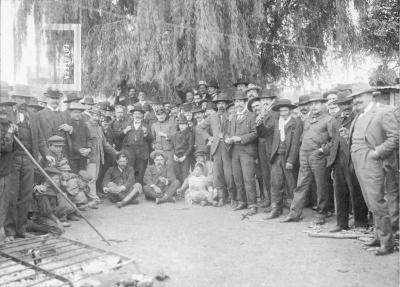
(239, 96)
(76, 106)
(343, 99)
(317, 97)
(281, 103)
(303, 100)
(182, 120)
(34, 103)
(5, 99)
(72, 97)
(270, 93)
(251, 101)
(222, 97)
(242, 80)
(105, 106)
(213, 83)
(137, 108)
(55, 94)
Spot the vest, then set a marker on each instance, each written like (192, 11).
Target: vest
(24, 134)
(357, 139)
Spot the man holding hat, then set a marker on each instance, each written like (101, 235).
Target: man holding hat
(284, 155)
(78, 143)
(318, 136)
(31, 136)
(218, 124)
(160, 183)
(348, 194)
(374, 140)
(136, 142)
(243, 141)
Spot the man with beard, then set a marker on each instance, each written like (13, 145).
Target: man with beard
(160, 183)
(136, 143)
(374, 140)
(7, 131)
(119, 182)
(284, 155)
(161, 132)
(348, 195)
(118, 126)
(31, 136)
(218, 124)
(212, 89)
(303, 106)
(242, 138)
(318, 136)
(78, 150)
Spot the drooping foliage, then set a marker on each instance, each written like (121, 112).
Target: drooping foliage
(167, 46)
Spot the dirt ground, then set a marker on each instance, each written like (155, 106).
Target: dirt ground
(208, 246)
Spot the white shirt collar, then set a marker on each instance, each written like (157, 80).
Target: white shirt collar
(54, 110)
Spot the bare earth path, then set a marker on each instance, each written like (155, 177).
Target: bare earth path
(207, 246)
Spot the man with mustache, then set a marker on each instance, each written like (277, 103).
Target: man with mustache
(160, 183)
(318, 136)
(243, 141)
(218, 124)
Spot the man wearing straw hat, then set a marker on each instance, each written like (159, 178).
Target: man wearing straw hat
(374, 140)
(318, 136)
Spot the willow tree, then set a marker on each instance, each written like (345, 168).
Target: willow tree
(167, 46)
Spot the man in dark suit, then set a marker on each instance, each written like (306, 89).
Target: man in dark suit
(374, 140)
(52, 120)
(318, 136)
(31, 136)
(242, 138)
(347, 190)
(284, 155)
(136, 142)
(78, 148)
(218, 125)
(118, 126)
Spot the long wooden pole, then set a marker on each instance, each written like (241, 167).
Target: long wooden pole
(58, 189)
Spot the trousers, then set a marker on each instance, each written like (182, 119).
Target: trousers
(168, 190)
(243, 167)
(22, 196)
(265, 169)
(182, 169)
(6, 192)
(312, 166)
(93, 170)
(281, 178)
(222, 171)
(371, 176)
(348, 194)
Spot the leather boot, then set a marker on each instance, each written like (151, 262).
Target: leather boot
(240, 206)
(276, 212)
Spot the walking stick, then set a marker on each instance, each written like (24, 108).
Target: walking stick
(57, 188)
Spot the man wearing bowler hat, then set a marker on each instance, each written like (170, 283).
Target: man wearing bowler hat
(136, 142)
(218, 124)
(374, 140)
(303, 106)
(318, 136)
(284, 155)
(348, 194)
(243, 141)
(241, 83)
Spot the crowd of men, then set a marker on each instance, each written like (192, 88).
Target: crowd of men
(335, 151)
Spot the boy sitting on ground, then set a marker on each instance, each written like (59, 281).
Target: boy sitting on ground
(198, 188)
(119, 182)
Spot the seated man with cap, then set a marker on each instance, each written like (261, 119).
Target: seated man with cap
(119, 182)
(160, 183)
